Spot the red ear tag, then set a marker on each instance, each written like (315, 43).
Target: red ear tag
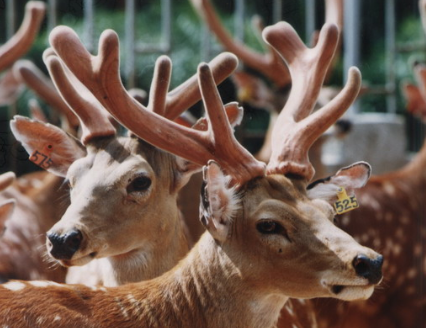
(345, 203)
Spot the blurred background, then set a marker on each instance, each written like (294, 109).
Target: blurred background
(383, 38)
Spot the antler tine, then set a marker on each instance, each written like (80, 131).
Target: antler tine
(334, 12)
(19, 44)
(160, 85)
(233, 158)
(188, 93)
(34, 78)
(101, 76)
(94, 119)
(268, 64)
(308, 68)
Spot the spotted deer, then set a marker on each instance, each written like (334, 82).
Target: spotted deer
(253, 214)
(21, 247)
(123, 190)
(393, 207)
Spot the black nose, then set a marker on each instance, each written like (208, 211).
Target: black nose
(368, 268)
(63, 247)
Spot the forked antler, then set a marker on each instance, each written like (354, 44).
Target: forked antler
(268, 64)
(295, 131)
(19, 44)
(43, 87)
(100, 74)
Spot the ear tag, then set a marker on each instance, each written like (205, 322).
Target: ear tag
(345, 203)
(42, 158)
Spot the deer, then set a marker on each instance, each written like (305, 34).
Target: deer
(253, 213)
(271, 91)
(16, 47)
(22, 255)
(394, 200)
(124, 176)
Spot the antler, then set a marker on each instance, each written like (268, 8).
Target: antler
(295, 131)
(24, 37)
(43, 87)
(268, 64)
(101, 76)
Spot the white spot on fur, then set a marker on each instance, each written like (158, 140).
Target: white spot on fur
(122, 307)
(14, 285)
(57, 318)
(43, 283)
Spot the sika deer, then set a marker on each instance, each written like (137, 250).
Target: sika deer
(252, 217)
(393, 207)
(123, 190)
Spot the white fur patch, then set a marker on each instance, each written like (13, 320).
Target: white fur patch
(43, 283)
(14, 285)
(325, 191)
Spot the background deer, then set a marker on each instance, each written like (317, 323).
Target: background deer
(117, 183)
(22, 255)
(393, 207)
(251, 215)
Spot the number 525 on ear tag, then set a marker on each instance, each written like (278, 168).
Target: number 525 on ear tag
(345, 203)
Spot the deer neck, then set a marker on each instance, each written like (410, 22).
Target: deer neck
(212, 292)
(151, 260)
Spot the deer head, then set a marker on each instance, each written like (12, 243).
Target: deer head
(242, 203)
(117, 183)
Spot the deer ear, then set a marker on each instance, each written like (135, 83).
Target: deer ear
(352, 177)
(6, 210)
(48, 146)
(218, 202)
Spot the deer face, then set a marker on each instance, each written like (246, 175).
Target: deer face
(117, 198)
(283, 241)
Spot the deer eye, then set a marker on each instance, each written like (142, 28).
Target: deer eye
(141, 183)
(269, 227)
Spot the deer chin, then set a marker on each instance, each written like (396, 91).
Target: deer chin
(79, 261)
(349, 292)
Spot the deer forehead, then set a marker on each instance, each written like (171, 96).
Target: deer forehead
(108, 169)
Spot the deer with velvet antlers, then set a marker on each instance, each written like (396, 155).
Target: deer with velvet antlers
(268, 237)
(123, 190)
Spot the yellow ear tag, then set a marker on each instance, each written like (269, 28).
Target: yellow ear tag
(344, 202)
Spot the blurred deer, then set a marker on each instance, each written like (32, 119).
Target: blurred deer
(22, 255)
(253, 214)
(394, 212)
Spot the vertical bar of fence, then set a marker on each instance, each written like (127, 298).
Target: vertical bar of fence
(351, 41)
(52, 20)
(10, 18)
(390, 55)
(166, 25)
(239, 14)
(89, 22)
(310, 19)
(277, 9)
(130, 43)
(12, 110)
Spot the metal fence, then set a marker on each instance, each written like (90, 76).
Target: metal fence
(133, 47)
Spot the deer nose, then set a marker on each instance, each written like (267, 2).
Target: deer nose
(63, 247)
(370, 269)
